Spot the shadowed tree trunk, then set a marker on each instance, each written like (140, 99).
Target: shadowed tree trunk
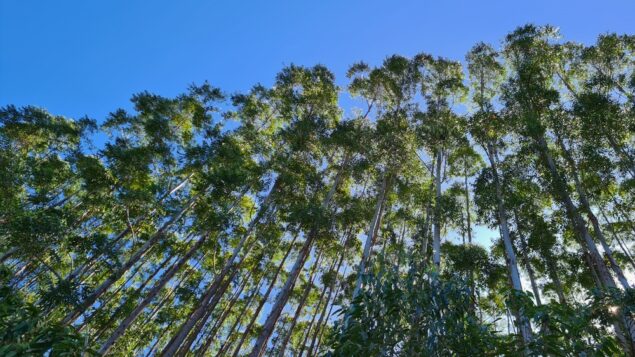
(326, 303)
(584, 203)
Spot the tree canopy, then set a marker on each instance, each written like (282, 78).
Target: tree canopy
(476, 207)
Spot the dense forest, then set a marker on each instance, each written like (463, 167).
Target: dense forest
(474, 207)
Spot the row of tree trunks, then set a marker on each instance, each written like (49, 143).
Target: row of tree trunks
(300, 307)
(150, 296)
(264, 299)
(284, 293)
(208, 302)
(97, 293)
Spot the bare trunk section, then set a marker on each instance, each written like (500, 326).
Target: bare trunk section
(596, 263)
(530, 271)
(283, 296)
(220, 321)
(193, 335)
(323, 312)
(436, 238)
(555, 278)
(467, 206)
(230, 336)
(370, 236)
(425, 235)
(512, 264)
(574, 215)
(525, 258)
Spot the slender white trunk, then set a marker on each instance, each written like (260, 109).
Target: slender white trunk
(370, 236)
(436, 238)
(512, 263)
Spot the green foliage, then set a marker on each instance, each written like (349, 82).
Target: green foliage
(415, 314)
(24, 332)
(209, 224)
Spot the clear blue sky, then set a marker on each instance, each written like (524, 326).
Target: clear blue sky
(87, 57)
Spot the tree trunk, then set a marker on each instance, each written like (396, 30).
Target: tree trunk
(526, 262)
(530, 271)
(211, 337)
(619, 150)
(553, 274)
(323, 312)
(282, 298)
(80, 270)
(138, 291)
(467, 206)
(586, 206)
(171, 292)
(512, 264)
(220, 321)
(198, 327)
(425, 235)
(436, 239)
(622, 245)
(575, 217)
(370, 237)
(625, 216)
(309, 328)
(594, 257)
(608, 251)
(231, 337)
